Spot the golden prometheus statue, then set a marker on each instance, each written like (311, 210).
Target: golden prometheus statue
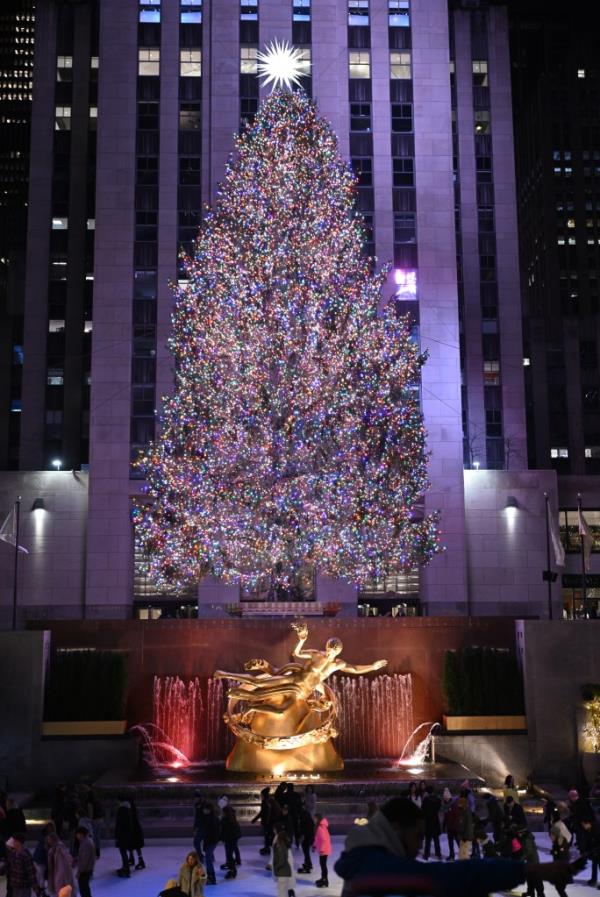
(284, 719)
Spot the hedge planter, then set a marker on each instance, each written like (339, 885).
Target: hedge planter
(84, 727)
(484, 723)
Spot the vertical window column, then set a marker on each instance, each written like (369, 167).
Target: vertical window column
(361, 122)
(143, 364)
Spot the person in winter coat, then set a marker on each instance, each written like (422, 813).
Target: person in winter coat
(210, 840)
(322, 845)
(514, 814)
(294, 802)
(137, 841)
(467, 791)
(60, 865)
(192, 876)
(464, 829)
(20, 871)
(40, 855)
(510, 789)
(530, 854)
(282, 865)
(86, 860)
(431, 807)
(450, 821)
(230, 835)
(268, 815)
(579, 809)
(286, 822)
(307, 836)
(495, 815)
(310, 800)
(590, 845)
(124, 833)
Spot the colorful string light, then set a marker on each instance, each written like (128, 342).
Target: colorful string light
(294, 434)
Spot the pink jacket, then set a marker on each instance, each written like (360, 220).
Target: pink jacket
(323, 839)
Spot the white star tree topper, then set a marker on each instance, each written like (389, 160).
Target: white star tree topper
(281, 64)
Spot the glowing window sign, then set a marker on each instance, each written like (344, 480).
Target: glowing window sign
(406, 282)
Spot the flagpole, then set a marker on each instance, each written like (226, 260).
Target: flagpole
(16, 569)
(548, 569)
(582, 542)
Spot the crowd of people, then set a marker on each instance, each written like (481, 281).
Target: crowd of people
(66, 848)
(402, 837)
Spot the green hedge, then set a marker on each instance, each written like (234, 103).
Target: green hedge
(86, 685)
(482, 682)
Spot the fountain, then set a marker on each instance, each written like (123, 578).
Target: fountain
(187, 718)
(425, 747)
(375, 715)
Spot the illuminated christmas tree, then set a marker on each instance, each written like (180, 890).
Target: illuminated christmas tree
(294, 434)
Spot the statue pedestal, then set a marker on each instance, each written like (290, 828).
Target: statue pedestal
(247, 757)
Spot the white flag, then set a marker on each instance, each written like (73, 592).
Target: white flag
(559, 551)
(584, 532)
(8, 530)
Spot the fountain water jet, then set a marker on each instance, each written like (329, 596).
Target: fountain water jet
(419, 754)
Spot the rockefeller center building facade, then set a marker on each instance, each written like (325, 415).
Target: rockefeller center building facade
(135, 108)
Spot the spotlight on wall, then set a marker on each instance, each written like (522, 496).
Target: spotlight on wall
(476, 465)
(57, 464)
(38, 505)
(511, 503)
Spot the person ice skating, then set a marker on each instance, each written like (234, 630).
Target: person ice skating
(40, 855)
(268, 815)
(60, 865)
(514, 814)
(322, 845)
(282, 864)
(495, 815)
(590, 845)
(137, 840)
(487, 848)
(286, 821)
(20, 871)
(198, 825)
(464, 829)
(535, 886)
(307, 837)
(431, 806)
(510, 789)
(310, 800)
(230, 835)
(192, 876)
(451, 814)
(124, 833)
(86, 860)
(210, 839)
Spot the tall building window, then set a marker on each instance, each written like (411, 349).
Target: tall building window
(149, 11)
(190, 63)
(398, 13)
(149, 61)
(64, 68)
(301, 11)
(248, 60)
(62, 118)
(480, 73)
(249, 10)
(400, 65)
(358, 12)
(191, 12)
(359, 64)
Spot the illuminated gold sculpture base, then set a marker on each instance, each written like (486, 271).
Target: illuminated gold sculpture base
(311, 758)
(284, 719)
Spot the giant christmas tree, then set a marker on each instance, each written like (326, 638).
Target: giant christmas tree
(294, 434)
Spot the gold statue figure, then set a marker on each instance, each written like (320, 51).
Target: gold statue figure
(284, 719)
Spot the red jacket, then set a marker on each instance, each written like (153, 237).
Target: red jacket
(323, 839)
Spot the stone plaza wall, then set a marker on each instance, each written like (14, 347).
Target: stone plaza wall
(558, 658)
